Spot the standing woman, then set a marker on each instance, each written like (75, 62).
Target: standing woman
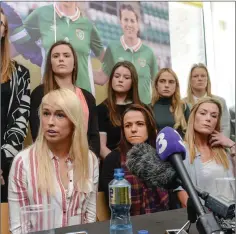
(199, 86)
(168, 108)
(58, 169)
(15, 105)
(122, 92)
(61, 72)
(130, 47)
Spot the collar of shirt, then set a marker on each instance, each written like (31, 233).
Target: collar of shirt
(72, 17)
(134, 48)
(67, 159)
(197, 98)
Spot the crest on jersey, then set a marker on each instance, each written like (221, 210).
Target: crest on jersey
(80, 34)
(142, 62)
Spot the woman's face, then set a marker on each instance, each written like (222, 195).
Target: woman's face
(3, 25)
(166, 84)
(121, 81)
(62, 60)
(206, 118)
(56, 125)
(129, 24)
(135, 128)
(199, 79)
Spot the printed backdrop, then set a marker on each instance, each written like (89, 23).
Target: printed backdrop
(96, 27)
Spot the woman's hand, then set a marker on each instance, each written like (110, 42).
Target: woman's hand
(218, 138)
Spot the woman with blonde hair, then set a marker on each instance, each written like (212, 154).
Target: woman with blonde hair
(15, 106)
(168, 108)
(59, 168)
(199, 86)
(210, 154)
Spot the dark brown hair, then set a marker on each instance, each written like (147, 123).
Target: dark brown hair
(49, 81)
(132, 94)
(124, 145)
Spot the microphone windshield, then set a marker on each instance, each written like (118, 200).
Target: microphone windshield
(169, 142)
(142, 161)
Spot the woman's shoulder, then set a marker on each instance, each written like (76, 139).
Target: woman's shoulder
(24, 155)
(102, 106)
(113, 156)
(219, 98)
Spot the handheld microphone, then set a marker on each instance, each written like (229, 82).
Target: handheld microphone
(170, 147)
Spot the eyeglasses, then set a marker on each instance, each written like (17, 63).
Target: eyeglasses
(3, 24)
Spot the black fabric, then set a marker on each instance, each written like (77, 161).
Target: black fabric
(92, 134)
(163, 115)
(105, 125)
(5, 99)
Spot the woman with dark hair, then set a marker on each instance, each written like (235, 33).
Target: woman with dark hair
(131, 48)
(122, 92)
(137, 126)
(15, 106)
(61, 72)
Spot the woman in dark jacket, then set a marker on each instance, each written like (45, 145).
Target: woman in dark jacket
(15, 106)
(61, 72)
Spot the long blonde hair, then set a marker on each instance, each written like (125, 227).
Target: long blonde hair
(78, 153)
(219, 152)
(177, 104)
(7, 65)
(189, 98)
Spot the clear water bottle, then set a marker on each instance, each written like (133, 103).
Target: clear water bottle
(120, 203)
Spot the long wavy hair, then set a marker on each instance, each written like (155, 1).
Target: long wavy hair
(49, 81)
(177, 105)
(219, 153)
(124, 145)
(132, 95)
(7, 65)
(189, 98)
(78, 153)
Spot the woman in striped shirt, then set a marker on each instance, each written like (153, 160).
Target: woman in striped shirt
(58, 169)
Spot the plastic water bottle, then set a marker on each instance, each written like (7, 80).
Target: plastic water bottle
(143, 232)
(120, 203)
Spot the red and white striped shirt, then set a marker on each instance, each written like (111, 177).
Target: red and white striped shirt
(71, 207)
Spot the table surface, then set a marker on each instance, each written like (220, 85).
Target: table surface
(156, 223)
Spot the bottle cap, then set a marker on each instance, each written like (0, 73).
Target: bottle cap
(142, 232)
(119, 172)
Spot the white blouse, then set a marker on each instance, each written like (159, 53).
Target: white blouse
(71, 207)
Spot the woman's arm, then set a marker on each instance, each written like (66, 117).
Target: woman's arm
(90, 213)
(111, 162)
(36, 99)
(104, 151)
(17, 126)
(183, 197)
(17, 193)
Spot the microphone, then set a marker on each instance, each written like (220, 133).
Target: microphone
(142, 161)
(170, 147)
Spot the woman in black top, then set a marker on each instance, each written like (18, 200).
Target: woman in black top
(15, 106)
(61, 72)
(122, 91)
(168, 108)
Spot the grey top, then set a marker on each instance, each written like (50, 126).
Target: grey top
(197, 173)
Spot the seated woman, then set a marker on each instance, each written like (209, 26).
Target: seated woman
(59, 168)
(61, 72)
(168, 108)
(207, 158)
(137, 126)
(199, 86)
